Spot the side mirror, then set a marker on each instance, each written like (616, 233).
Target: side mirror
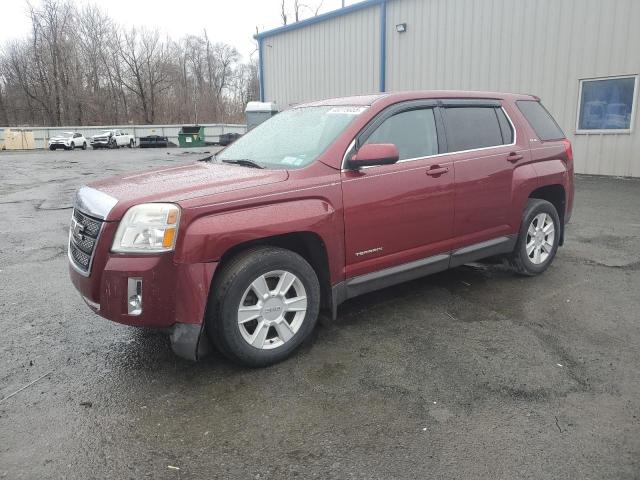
(374, 154)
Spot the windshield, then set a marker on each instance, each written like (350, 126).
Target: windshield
(66, 134)
(105, 132)
(293, 138)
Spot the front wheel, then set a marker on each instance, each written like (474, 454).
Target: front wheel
(84, 145)
(72, 146)
(262, 306)
(131, 143)
(538, 238)
(113, 143)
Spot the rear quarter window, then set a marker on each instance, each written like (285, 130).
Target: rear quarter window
(540, 120)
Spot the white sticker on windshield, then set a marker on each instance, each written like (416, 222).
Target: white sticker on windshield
(347, 110)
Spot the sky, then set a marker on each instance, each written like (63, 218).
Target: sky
(230, 21)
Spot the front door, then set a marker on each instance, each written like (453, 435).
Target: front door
(395, 214)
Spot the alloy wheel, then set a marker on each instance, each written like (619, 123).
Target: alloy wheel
(272, 309)
(540, 238)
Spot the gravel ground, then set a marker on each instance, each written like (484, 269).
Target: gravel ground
(472, 373)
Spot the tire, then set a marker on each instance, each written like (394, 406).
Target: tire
(234, 287)
(84, 145)
(113, 143)
(533, 262)
(72, 146)
(52, 148)
(131, 143)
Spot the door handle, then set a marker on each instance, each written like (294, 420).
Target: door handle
(514, 157)
(437, 170)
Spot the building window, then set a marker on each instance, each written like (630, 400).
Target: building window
(607, 105)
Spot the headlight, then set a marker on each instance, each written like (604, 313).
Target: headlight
(149, 227)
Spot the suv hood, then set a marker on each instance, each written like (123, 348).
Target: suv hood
(184, 182)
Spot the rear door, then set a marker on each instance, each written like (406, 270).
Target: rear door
(485, 149)
(398, 213)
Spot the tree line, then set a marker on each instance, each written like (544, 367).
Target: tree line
(79, 67)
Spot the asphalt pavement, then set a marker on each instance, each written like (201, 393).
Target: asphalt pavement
(473, 373)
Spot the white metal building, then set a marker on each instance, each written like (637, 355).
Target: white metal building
(582, 57)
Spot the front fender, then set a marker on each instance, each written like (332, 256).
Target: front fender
(207, 238)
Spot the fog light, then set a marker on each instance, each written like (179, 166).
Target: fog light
(134, 296)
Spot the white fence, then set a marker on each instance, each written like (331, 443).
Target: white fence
(212, 131)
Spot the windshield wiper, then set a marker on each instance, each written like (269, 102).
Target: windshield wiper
(245, 162)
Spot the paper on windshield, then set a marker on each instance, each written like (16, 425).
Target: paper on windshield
(346, 110)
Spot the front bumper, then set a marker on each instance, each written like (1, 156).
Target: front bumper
(171, 293)
(174, 297)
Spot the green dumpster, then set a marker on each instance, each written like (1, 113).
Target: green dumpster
(191, 136)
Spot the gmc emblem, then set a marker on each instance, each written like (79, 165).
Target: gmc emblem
(77, 230)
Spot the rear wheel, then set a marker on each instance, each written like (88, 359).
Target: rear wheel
(262, 306)
(538, 238)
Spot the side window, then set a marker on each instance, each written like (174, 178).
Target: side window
(413, 132)
(469, 128)
(542, 122)
(505, 127)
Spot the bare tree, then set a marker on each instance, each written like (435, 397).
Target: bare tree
(78, 67)
(50, 25)
(296, 9)
(146, 63)
(4, 118)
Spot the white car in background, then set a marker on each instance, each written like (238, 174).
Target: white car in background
(68, 141)
(112, 139)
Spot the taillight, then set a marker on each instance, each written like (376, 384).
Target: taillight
(568, 150)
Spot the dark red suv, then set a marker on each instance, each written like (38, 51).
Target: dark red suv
(321, 203)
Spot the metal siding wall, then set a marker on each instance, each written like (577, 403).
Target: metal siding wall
(542, 47)
(340, 56)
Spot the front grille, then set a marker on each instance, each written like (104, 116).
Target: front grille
(83, 237)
